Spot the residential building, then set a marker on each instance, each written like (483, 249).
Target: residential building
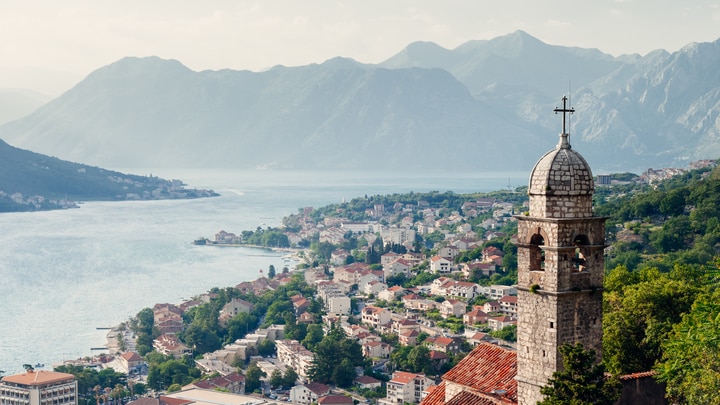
(451, 307)
(131, 362)
(233, 383)
(462, 289)
(499, 322)
(405, 387)
(374, 316)
(367, 382)
(391, 293)
(376, 350)
(295, 356)
(233, 308)
(335, 400)
(306, 394)
(508, 305)
(170, 345)
(408, 338)
(444, 344)
(39, 388)
(475, 316)
(498, 291)
(439, 264)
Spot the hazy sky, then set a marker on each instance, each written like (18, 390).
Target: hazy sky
(57, 43)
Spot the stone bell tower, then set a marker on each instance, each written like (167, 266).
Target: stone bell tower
(560, 266)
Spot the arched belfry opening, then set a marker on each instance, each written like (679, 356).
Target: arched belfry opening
(582, 253)
(560, 265)
(537, 253)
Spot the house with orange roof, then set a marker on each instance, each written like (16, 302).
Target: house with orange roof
(486, 376)
(451, 307)
(408, 338)
(39, 388)
(335, 400)
(306, 394)
(500, 322)
(405, 387)
(233, 308)
(374, 316)
(508, 305)
(475, 316)
(131, 362)
(367, 382)
(439, 264)
(485, 268)
(233, 383)
(170, 345)
(391, 293)
(444, 344)
(401, 325)
(396, 267)
(376, 350)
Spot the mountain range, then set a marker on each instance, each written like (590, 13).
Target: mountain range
(485, 106)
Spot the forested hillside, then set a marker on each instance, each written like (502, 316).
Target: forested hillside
(661, 306)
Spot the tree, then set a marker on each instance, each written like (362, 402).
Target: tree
(418, 360)
(271, 271)
(252, 378)
(266, 348)
(289, 377)
(276, 378)
(640, 316)
(690, 366)
(581, 382)
(344, 374)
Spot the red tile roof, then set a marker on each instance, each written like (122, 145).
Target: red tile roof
(40, 377)
(486, 369)
(403, 377)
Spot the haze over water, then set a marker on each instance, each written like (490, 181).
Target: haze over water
(65, 273)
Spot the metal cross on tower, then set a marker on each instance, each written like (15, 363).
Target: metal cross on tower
(564, 110)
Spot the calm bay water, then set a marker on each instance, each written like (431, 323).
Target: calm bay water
(65, 273)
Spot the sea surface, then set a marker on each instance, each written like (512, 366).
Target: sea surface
(63, 274)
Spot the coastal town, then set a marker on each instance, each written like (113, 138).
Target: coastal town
(383, 300)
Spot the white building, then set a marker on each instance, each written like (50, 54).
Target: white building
(39, 388)
(405, 387)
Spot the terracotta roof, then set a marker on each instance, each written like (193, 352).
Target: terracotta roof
(366, 379)
(40, 377)
(317, 388)
(173, 401)
(403, 377)
(635, 376)
(334, 400)
(145, 401)
(436, 396)
(131, 356)
(436, 355)
(442, 340)
(486, 369)
(509, 298)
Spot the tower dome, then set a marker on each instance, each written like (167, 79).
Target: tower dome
(561, 183)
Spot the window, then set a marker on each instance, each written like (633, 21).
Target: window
(537, 254)
(579, 259)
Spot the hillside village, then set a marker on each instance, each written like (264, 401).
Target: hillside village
(413, 287)
(451, 307)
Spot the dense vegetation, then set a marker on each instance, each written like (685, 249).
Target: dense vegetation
(660, 288)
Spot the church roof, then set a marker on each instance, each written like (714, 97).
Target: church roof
(562, 171)
(488, 369)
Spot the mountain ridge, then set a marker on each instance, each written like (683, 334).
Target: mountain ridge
(485, 105)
